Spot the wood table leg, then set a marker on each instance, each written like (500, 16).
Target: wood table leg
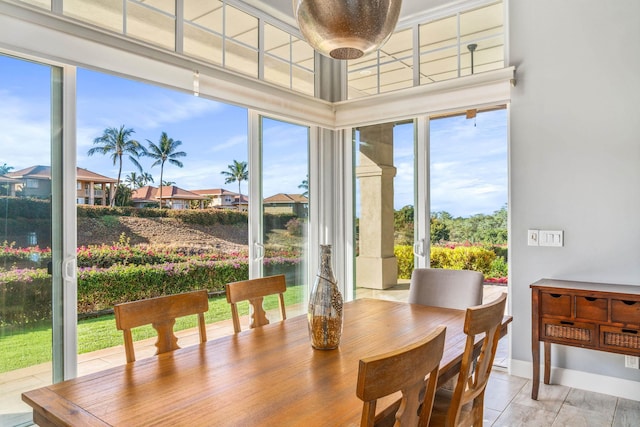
(535, 380)
(547, 362)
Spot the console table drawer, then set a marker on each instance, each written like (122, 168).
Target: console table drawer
(572, 333)
(625, 311)
(591, 308)
(620, 338)
(553, 304)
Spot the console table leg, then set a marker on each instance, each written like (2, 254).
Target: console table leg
(535, 380)
(547, 362)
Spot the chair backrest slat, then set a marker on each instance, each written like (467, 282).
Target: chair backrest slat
(401, 370)
(254, 291)
(484, 319)
(161, 313)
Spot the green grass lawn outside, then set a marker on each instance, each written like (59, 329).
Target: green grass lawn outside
(32, 347)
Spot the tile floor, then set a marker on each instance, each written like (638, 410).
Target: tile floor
(507, 399)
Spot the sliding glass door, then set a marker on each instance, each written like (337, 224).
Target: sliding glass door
(384, 181)
(282, 172)
(32, 332)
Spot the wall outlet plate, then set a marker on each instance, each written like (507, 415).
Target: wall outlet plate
(532, 237)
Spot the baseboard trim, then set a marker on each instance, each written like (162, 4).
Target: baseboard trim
(582, 380)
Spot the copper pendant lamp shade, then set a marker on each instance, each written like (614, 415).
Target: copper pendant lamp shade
(346, 29)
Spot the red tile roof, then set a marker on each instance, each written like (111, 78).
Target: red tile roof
(286, 198)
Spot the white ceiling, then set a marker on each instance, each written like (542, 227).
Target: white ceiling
(283, 9)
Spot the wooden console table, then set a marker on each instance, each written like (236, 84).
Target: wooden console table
(598, 316)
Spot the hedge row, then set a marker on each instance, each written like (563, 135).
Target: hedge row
(188, 216)
(22, 207)
(25, 295)
(458, 258)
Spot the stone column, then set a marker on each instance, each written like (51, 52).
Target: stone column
(376, 265)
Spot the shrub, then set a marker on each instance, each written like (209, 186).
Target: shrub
(462, 258)
(499, 268)
(294, 227)
(25, 295)
(25, 257)
(404, 255)
(99, 289)
(24, 207)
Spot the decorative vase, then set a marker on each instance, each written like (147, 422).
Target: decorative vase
(325, 306)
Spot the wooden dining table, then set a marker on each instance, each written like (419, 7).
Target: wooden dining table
(267, 376)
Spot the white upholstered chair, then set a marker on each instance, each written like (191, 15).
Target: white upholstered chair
(439, 287)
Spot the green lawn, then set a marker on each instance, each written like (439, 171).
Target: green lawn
(32, 347)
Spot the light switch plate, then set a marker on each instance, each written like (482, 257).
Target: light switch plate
(532, 237)
(551, 238)
(632, 362)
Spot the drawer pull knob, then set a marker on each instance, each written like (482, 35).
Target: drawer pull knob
(591, 299)
(564, 322)
(628, 302)
(555, 295)
(630, 331)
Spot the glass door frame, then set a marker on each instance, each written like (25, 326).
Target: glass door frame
(64, 224)
(256, 221)
(63, 214)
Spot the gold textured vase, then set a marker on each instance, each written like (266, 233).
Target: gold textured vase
(325, 306)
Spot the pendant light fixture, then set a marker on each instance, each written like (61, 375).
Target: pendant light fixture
(346, 29)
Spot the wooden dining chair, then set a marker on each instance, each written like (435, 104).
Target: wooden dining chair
(161, 313)
(254, 291)
(464, 406)
(401, 370)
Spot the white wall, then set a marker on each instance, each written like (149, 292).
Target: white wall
(574, 160)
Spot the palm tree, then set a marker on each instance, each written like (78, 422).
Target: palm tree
(237, 172)
(4, 169)
(305, 186)
(133, 180)
(165, 151)
(118, 142)
(144, 179)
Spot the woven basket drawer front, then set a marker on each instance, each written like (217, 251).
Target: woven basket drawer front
(579, 333)
(620, 338)
(553, 304)
(623, 311)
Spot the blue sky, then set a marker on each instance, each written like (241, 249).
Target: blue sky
(468, 169)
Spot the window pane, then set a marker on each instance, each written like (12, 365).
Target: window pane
(102, 13)
(285, 147)
(396, 75)
(202, 44)
(167, 6)
(481, 22)
(277, 71)
(241, 26)
(241, 58)
(151, 26)
(488, 55)
(45, 4)
(277, 42)
(384, 182)
(25, 235)
(303, 81)
(399, 44)
(211, 184)
(205, 14)
(438, 34)
(302, 54)
(439, 65)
